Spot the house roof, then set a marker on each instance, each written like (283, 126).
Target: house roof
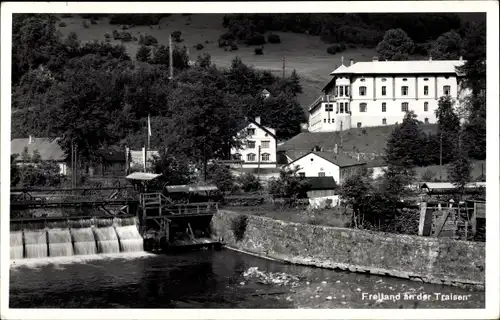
(363, 140)
(337, 159)
(143, 176)
(266, 129)
(400, 67)
(48, 148)
(321, 183)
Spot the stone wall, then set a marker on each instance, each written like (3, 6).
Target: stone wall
(424, 259)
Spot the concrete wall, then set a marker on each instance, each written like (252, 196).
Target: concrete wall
(419, 258)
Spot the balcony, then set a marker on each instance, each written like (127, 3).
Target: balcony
(323, 98)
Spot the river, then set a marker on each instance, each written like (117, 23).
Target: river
(210, 279)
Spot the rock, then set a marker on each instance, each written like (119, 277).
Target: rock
(323, 282)
(358, 289)
(329, 298)
(338, 281)
(343, 302)
(242, 283)
(307, 282)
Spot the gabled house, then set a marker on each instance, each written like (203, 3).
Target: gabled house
(326, 164)
(259, 146)
(48, 148)
(265, 94)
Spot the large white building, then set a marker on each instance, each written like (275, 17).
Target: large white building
(259, 146)
(375, 93)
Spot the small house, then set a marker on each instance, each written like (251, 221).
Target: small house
(48, 149)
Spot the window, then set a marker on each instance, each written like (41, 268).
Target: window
(341, 91)
(404, 79)
(446, 90)
(384, 107)
(404, 90)
(250, 144)
(251, 131)
(404, 106)
(384, 121)
(265, 144)
(347, 91)
(346, 107)
(302, 174)
(426, 90)
(324, 120)
(362, 91)
(384, 90)
(321, 174)
(341, 107)
(251, 157)
(265, 156)
(329, 107)
(359, 124)
(362, 107)
(426, 106)
(426, 120)
(426, 79)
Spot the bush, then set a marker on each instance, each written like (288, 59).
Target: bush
(62, 24)
(66, 15)
(116, 35)
(256, 39)
(147, 40)
(125, 36)
(249, 183)
(239, 227)
(124, 27)
(93, 21)
(273, 38)
(335, 48)
(259, 51)
(199, 46)
(176, 35)
(136, 19)
(134, 38)
(85, 24)
(107, 35)
(234, 47)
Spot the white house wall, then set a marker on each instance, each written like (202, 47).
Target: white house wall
(317, 165)
(259, 136)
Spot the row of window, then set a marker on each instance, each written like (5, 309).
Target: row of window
(404, 90)
(341, 91)
(251, 144)
(252, 156)
(341, 107)
(384, 121)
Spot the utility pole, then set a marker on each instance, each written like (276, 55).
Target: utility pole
(258, 165)
(170, 58)
(441, 156)
(283, 67)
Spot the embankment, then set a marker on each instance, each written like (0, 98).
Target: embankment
(423, 259)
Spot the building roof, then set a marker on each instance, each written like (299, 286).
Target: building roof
(321, 183)
(269, 131)
(191, 188)
(400, 67)
(362, 140)
(337, 159)
(48, 148)
(143, 176)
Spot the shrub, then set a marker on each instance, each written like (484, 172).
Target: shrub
(234, 47)
(255, 40)
(134, 38)
(259, 51)
(136, 19)
(62, 24)
(124, 27)
(93, 21)
(207, 42)
(239, 227)
(335, 48)
(85, 24)
(273, 38)
(66, 15)
(116, 35)
(249, 182)
(176, 35)
(126, 36)
(199, 46)
(147, 40)
(428, 175)
(107, 35)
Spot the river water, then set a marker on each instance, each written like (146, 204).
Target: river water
(209, 279)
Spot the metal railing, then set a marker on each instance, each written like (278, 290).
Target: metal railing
(323, 98)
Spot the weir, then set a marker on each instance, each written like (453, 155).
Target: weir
(80, 236)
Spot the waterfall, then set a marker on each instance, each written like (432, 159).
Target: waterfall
(35, 243)
(107, 241)
(130, 239)
(60, 243)
(16, 245)
(83, 241)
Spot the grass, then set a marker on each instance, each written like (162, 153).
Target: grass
(304, 53)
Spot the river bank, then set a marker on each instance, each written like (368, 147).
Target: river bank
(423, 259)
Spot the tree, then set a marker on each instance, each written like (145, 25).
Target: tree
(174, 170)
(14, 171)
(474, 69)
(249, 182)
(292, 84)
(396, 45)
(221, 176)
(447, 47)
(143, 54)
(289, 185)
(448, 127)
(204, 61)
(355, 191)
(474, 137)
(72, 44)
(459, 171)
(284, 114)
(407, 143)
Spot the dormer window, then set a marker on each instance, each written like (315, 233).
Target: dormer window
(362, 80)
(384, 79)
(251, 131)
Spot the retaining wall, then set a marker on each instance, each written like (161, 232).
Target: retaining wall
(432, 260)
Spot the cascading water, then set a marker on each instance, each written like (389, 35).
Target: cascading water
(107, 241)
(83, 241)
(60, 243)
(130, 239)
(16, 245)
(35, 243)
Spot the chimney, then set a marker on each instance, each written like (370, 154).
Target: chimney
(430, 58)
(30, 141)
(375, 58)
(257, 120)
(461, 58)
(358, 157)
(351, 62)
